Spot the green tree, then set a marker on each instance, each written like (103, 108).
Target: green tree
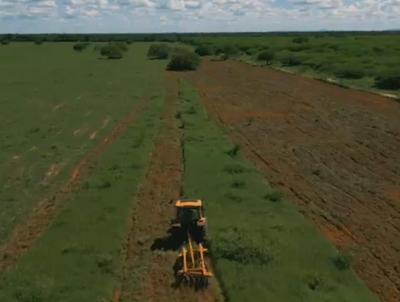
(266, 56)
(158, 51)
(183, 59)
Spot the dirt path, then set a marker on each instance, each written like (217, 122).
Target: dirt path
(333, 151)
(150, 254)
(25, 235)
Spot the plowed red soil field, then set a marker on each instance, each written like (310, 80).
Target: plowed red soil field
(334, 152)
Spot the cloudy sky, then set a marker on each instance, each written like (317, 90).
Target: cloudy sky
(33, 16)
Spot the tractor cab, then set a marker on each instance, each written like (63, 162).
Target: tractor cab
(189, 213)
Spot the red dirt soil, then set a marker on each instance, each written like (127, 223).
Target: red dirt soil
(25, 234)
(148, 271)
(333, 151)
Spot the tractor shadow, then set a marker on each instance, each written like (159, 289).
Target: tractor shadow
(172, 242)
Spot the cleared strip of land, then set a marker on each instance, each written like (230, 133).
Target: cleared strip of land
(151, 252)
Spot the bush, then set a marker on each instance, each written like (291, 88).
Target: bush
(80, 46)
(5, 42)
(104, 184)
(122, 46)
(204, 50)
(234, 169)
(342, 261)
(273, 196)
(299, 47)
(388, 81)
(349, 72)
(289, 59)
(112, 51)
(233, 151)
(300, 40)
(38, 42)
(224, 57)
(238, 184)
(266, 56)
(230, 50)
(158, 51)
(184, 59)
(236, 246)
(251, 51)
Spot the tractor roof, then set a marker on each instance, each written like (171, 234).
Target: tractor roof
(188, 203)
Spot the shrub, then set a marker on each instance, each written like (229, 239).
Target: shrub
(234, 169)
(377, 49)
(80, 46)
(191, 110)
(204, 50)
(5, 42)
(234, 151)
(111, 51)
(289, 59)
(233, 197)
(224, 57)
(238, 184)
(315, 283)
(342, 261)
(389, 81)
(230, 50)
(251, 51)
(300, 40)
(266, 56)
(349, 72)
(299, 47)
(236, 246)
(122, 46)
(184, 59)
(273, 196)
(104, 184)
(158, 51)
(114, 53)
(38, 42)
(105, 263)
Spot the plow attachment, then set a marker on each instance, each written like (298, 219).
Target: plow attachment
(193, 267)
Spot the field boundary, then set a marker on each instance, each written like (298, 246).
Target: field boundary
(323, 79)
(24, 235)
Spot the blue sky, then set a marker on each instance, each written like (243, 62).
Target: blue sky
(35, 16)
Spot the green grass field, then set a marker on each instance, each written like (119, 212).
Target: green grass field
(354, 60)
(77, 258)
(55, 99)
(56, 105)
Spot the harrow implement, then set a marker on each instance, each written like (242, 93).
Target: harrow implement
(192, 268)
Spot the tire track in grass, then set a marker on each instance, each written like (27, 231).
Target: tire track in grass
(149, 254)
(25, 235)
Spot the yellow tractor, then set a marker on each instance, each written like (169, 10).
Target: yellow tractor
(191, 264)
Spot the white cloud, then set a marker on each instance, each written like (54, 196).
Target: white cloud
(226, 12)
(27, 8)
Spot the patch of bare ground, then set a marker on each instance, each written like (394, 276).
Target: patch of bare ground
(149, 252)
(333, 151)
(25, 234)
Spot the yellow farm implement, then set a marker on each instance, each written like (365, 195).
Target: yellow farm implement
(192, 264)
